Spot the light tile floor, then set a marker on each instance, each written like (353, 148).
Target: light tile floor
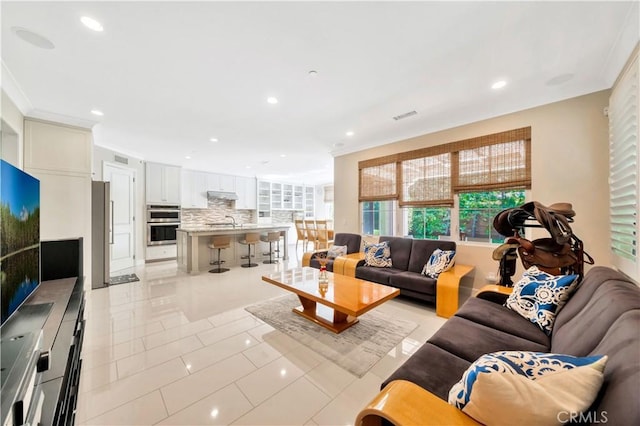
(179, 349)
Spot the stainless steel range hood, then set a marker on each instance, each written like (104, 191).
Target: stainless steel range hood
(221, 195)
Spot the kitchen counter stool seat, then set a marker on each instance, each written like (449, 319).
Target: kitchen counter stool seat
(250, 238)
(219, 243)
(271, 238)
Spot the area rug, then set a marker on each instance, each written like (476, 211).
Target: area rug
(123, 279)
(356, 349)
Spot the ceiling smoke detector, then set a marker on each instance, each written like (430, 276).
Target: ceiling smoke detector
(405, 115)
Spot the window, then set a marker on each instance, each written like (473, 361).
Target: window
(377, 217)
(477, 210)
(428, 222)
(624, 184)
(451, 190)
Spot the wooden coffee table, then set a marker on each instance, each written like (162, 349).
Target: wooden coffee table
(338, 307)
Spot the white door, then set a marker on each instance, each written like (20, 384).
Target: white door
(122, 209)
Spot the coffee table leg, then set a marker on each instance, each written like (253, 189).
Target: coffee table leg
(339, 317)
(308, 305)
(341, 321)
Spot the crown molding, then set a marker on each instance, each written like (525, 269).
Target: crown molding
(13, 90)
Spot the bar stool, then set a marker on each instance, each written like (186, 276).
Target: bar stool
(250, 238)
(270, 238)
(219, 243)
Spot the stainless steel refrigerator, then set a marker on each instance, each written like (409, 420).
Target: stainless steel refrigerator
(101, 233)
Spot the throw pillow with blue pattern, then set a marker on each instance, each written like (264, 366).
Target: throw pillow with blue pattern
(439, 261)
(538, 296)
(378, 255)
(523, 388)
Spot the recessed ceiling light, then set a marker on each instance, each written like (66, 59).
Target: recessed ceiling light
(213, 139)
(350, 133)
(499, 84)
(313, 73)
(272, 100)
(91, 23)
(97, 112)
(32, 38)
(247, 167)
(188, 157)
(283, 155)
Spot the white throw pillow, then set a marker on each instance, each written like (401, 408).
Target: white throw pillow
(527, 388)
(335, 251)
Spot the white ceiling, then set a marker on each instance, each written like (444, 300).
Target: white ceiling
(170, 75)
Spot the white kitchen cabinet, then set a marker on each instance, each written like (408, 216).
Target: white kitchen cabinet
(264, 199)
(161, 252)
(287, 196)
(276, 196)
(298, 197)
(194, 190)
(163, 184)
(247, 196)
(218, 182)
(309, 201)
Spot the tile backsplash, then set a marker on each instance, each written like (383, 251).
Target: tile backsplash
(216, 212)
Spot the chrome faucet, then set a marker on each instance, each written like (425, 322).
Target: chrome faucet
(233, 220)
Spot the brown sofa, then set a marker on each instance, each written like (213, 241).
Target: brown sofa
(601, 317)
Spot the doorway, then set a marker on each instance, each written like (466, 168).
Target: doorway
(122, 251)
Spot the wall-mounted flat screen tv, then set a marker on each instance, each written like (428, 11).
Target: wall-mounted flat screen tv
(19, 237)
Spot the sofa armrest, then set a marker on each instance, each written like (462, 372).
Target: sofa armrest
(307, 256)
(447, 289)
(404, 403)
(349, 263)
(494, 293)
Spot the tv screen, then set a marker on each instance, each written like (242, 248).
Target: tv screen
(19, 237)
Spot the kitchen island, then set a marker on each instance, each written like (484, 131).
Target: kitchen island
(194, 253)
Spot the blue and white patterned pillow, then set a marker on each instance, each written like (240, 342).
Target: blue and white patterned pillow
(513, 387)
(538, 296)
(439, 261)
(378, 255)
(335, 251)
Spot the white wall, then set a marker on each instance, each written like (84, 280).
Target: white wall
(12, 139)
(60, 156)
(569, 164)
(101, 155)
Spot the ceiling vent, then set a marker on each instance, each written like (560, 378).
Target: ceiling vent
(119, 159)
(405, 115)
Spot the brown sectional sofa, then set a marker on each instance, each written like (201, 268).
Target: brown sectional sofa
(601, 317)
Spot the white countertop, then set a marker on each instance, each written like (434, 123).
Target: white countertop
(240, 228)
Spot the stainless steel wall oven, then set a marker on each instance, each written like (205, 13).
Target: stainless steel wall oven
(162, 222)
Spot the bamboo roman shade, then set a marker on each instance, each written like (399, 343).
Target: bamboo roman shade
(426, 181)
(500, 161)
(378, 182)
(430, 176)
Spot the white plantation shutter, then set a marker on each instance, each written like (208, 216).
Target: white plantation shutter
(623, 169)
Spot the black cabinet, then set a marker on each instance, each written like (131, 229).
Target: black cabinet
(60, 382)
(49, 325)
